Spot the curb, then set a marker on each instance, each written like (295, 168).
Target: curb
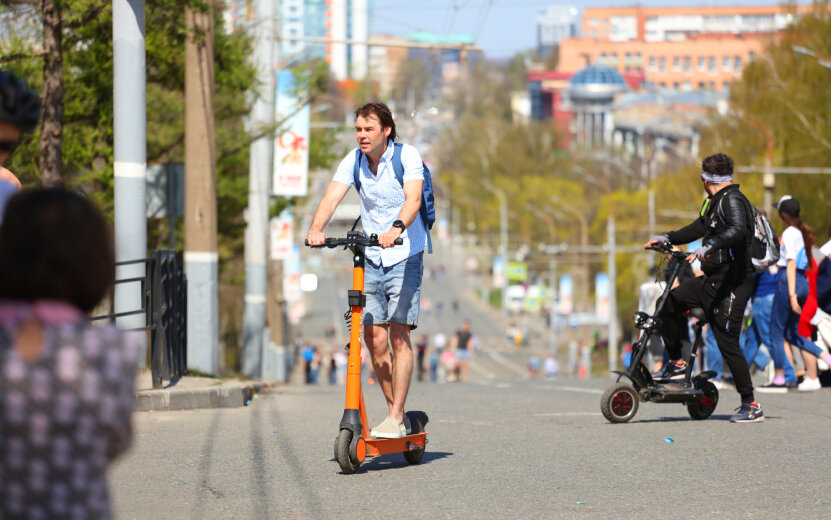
(227, 396)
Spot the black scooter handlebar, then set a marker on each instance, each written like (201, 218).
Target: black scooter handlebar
(371, 241)
(666, 249)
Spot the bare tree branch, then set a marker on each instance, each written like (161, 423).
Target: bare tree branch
(21, 55)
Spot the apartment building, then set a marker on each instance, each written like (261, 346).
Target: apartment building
(684, 48)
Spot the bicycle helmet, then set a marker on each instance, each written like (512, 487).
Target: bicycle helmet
(19, 105)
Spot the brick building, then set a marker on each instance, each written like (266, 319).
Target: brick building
(685, 48)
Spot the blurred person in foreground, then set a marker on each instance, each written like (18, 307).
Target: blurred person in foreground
(67, 388)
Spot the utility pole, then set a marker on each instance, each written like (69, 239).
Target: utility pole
(200, 193)
(130, 160)
(260, 169)
(610, 231)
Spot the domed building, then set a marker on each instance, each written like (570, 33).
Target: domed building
(592, 93)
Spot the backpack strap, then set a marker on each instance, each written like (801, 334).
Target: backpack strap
(398, 168)
(356, 171)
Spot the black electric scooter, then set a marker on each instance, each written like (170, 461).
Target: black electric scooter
(619, 403)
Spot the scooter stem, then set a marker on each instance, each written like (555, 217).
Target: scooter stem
(353, 370)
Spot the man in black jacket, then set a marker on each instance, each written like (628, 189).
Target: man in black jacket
(725, 226)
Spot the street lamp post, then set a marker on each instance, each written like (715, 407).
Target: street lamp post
(822, 60)
(503, 228)
(612, 251)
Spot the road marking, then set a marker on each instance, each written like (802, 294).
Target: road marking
(564, 414)
(574, 389)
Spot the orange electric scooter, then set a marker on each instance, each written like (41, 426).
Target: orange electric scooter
(353, 443)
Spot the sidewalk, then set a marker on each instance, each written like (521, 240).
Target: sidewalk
(192, 392)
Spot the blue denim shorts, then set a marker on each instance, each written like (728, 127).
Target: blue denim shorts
(393, 292)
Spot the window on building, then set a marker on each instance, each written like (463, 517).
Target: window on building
(613, 60)
(676, 63)
(687, 64)
(686, 86)
(725, 85)
(593, 33)
(712, 86)
(662, 64)
(701, 85)
(702, 63)
(725, 63)
(737, 64)
(675, 85)
(751, 56)
(592, 21)
(627, 60)
(638, 60)
(602, 59)
(652, 63)
(713, 66)
(663, 84)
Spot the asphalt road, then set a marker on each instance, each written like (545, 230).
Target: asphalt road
(521, 449)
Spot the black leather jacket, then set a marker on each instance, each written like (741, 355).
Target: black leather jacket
(725, 223)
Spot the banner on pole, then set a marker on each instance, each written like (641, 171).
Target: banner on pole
(498, 272)
(291, 148)
(601, 294)
(291, 276)
(566, 295)
(282, 233)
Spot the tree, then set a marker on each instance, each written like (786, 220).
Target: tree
(786, 90)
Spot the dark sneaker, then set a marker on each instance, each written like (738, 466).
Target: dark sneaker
(670, 371)
(773, 388)
(748, 412)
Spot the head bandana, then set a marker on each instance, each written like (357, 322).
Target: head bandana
(712, 178)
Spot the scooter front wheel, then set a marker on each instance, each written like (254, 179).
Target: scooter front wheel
(619, 403)
(348, 463)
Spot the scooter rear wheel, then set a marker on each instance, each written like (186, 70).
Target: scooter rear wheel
(416, 426)
(619, 403)
(704, 408)
(347, 465)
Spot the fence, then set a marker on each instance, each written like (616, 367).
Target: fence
(164, 304)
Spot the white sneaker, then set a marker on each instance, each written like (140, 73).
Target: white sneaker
(770, 371)
(809, 385)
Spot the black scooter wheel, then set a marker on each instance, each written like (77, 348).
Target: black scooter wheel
(619, 403)
(416, 426)
(704, 407)
(347, 464)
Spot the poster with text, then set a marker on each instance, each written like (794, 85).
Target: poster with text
(291, 147)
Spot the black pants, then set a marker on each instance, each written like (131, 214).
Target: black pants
(723, 299)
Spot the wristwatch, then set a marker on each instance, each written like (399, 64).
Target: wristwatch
(400, 225)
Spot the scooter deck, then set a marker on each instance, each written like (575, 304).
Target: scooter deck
(670, 392)
(376, 447)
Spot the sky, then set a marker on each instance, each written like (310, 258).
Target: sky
(501, 27)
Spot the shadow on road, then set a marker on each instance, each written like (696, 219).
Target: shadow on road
(396, 461)
(725, 417)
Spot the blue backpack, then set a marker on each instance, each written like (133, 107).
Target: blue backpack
(427, 209)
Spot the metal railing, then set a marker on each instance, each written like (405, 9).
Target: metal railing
(164, 304)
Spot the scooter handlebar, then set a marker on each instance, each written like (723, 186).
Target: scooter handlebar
(666, 249)
(371, 241)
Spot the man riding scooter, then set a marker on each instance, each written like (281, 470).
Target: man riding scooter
(725, 226)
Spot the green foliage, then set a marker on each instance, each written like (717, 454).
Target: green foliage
(787, 91)
(88, 98)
